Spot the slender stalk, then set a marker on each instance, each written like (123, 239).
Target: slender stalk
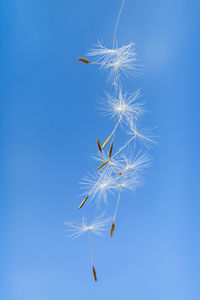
(91, 248)
(117, 124)
(112, 133)
(92, 256)
(124, 146)
(114, 217)
(114, 38)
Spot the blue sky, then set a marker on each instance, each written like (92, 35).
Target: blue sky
(49, 126)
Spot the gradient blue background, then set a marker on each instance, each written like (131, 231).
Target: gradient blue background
(49, 126)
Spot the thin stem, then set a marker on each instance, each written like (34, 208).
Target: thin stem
(114, 217)
(112, 133)
(92, 256)
(95, 63)
(91, 248)
(114, 38)
(124, 146)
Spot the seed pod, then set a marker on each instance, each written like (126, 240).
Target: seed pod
(94, 273)
(106, 142)
(85, 60)
(99, 145)
(103, 164)
(112, 229)
(83, 201)
(110, 151)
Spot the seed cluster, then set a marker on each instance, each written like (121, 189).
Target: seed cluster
(122, 169)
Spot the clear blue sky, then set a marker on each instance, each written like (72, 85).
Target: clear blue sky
(49, 126)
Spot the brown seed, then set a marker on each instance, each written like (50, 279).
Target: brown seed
(83, 201)
(85, 60)
(99, 145)
(106, 142)
(120, 173)
(112, 229)
(94, 273)
(110, 152)
(103, 164)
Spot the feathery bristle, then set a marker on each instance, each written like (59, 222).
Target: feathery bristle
(85, 60)
(99, 145)
(94, 273)
(103, 164)
(106, 142)
(110, 151)
(82, 203)
(112, 229)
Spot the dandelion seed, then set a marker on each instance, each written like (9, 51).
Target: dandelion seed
(114, 217)
(94, 273)
(112, 229)
(77, 229)
(110, 151)
(130, 182)
(106, 142)
(85, 60)
(83, 202)
(103, 164)
(116, 61)
(99, 145)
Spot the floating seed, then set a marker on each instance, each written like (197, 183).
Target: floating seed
(110, 151)
(85, 60)
(94, 273)
(103, 164)
(99, 145)
(106, 142)
(83, 201)
(112, 229)
(120, 173)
